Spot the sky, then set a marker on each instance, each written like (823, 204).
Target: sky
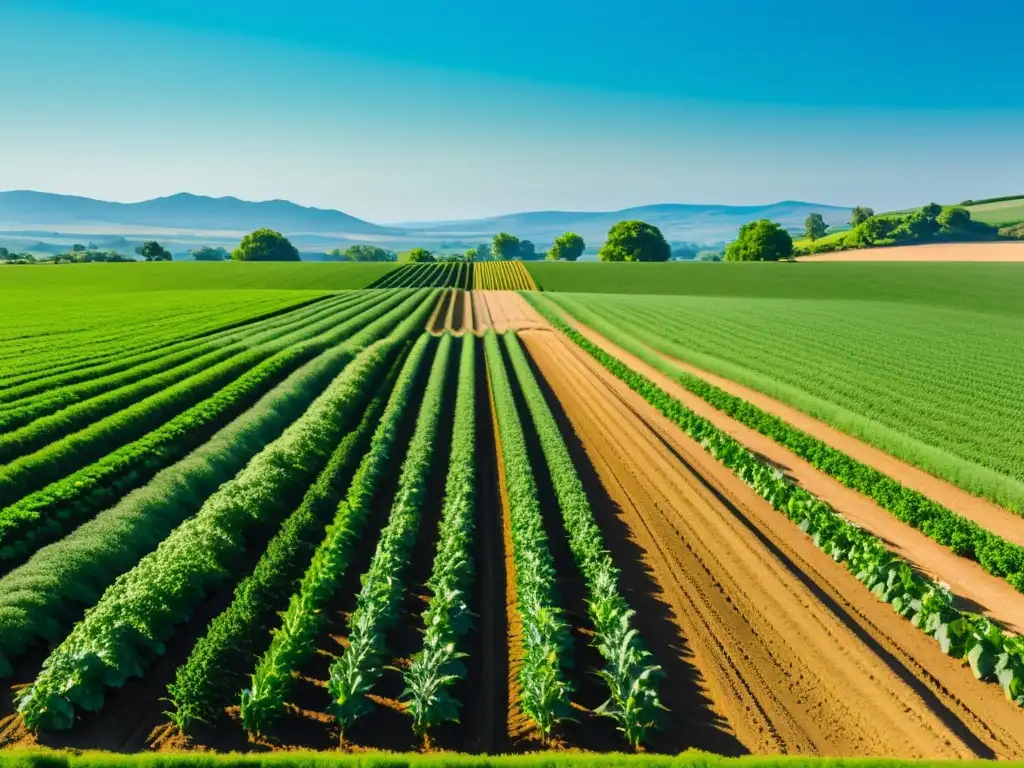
(406, 110)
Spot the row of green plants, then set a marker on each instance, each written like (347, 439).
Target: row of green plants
(126, 630)
(42, 599)
(543, 688)
(157, 373)
(629, 672)
(378, 605)
(502, 276)
(292, 643)
(992, 654)
(54, 510)
(216, 668)
(108, 368)
(443, 275)
(33, 470)
(964, 537)
(448, 618)
(147, 400)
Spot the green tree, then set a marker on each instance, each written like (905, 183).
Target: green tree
(918, 226)
(815, 226)
(151, 250)
(955, 219)
(337, 254)
(79, 248)
(420, 256)
(527, 250)
(483, 252)
(860, 214)
(370, 253)
(932, 210)
(761, 240)
(635, 241)
(470, 255)
(568, 246)
(207, 253)
(504, 247)
(4, 254)
(265, 245)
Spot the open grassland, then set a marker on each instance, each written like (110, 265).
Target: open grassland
(1001, 213)
(935, 386)
(164, 276)
(1012, 252)
(428, 519)
(994, 288)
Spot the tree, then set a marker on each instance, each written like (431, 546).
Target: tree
(151, 250)
(206, 253)
(265, 245)
(4, 254)
(815, 226)
(932, 210)
(635, 241)
(860, 215)
(955, 219)
(79, 248)
(919, 225)
(370, 253)
(483, 252)
(568, 246)
(504, 246)
(761, 240)
(527, 251)
(420, 256)
(470, 255)
(338, 255)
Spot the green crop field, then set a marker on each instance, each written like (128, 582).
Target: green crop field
(935, 385)
(991, 288)
(999, 214)
(162, 276)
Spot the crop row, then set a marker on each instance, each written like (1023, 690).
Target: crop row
(63, 361)
(157, 386)
(450, 274)
(966, 538)
(169, 367)
(292, 641)
(448, 618)
(57, 508)
(544, 690)
(992, 654)
(126, 630)
(502, 276)
(631, 678)
(355, 672)
(40, 600)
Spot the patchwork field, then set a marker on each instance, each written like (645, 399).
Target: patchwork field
(428, 519)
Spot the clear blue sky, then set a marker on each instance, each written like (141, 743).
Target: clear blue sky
(413, 109)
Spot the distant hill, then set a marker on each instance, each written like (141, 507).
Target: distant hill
(679, 222)
(21, 209)
(185, 218)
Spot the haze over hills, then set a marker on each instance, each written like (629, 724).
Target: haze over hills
(187, 217)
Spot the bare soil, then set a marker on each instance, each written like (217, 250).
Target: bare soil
(794, 655)
(1004, 252)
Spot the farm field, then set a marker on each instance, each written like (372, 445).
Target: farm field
(930, 252)
(872, 369)
(423, 518)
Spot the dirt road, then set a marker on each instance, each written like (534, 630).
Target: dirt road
(792, 651)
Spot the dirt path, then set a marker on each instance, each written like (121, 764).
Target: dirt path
(1012, 251)
(975, 589)
(508, 311)
(794, 652)
(481, 315)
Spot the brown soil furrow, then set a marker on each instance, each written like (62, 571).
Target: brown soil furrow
(439, 317)
(975, 589)
(791, 646)
(481, 313)
(985, 513)
(457, 321)
(508, 312)
(453, 295)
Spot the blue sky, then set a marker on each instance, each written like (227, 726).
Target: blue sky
(411, 110)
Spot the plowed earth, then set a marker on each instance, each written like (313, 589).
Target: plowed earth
(789, 652)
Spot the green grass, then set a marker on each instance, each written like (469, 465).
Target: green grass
(45, 758)
(938, 387)
(831, 237)
(991, 288)
(163, 276)
(999, 214)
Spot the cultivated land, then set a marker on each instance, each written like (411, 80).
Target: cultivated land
(425, 518)
(932, 252)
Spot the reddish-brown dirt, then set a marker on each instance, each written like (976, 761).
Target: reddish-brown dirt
(975, 589)
(793, 652)
(1013, 251)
